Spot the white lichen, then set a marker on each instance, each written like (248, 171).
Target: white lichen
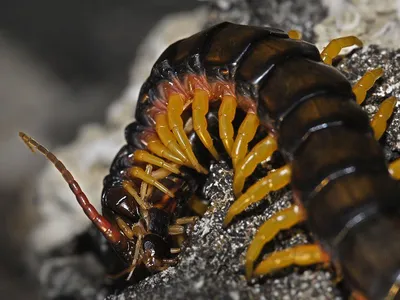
(374, 22)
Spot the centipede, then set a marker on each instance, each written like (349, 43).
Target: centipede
(242, 93)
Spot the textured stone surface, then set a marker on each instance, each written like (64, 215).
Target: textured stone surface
(211, 267)
(301, 15)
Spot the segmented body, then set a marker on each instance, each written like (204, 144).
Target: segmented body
(214, 95)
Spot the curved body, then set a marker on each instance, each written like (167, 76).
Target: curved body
(232, 78)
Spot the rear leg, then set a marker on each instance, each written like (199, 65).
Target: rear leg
(274, 181)
(335, 46)
(260, 152)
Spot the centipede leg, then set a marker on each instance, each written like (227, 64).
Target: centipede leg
(128, 186)
(275, 180)
(186, 220)
(379, 120)
(144, 186)
(111, 233)
(167, 138)
(155, 145)
(197, 205)
(365, 83)
(280, 221)
(175, 109)
(302, 255)
(176, 229)
(226, 114)
(335, 46)
(175, 250)
(137, 172)
(125, 228)
(144, 156)
(200, 109)
(260, 152)
(294, 34)
(246, 133)
(394, 169)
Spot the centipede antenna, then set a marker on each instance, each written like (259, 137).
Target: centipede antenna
(109, 232)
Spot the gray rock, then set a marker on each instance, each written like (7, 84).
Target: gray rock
(72, 277)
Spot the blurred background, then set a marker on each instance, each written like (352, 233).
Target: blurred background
(61, 64)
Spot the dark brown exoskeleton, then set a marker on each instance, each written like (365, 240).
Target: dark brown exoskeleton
(229, 87)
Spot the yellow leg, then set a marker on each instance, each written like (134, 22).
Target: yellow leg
(186, 220)
(137, 172)
(131, 190)
(275, 180)
(226, 114)
(167, 138)
(379, 120)
(246, 167)
(175, 109)
(394, 169)
(176, 229)
(200, 109)
(144, 156)
(197, 205)
(145, 189)
(335, 46)
(160, 174)
(125, 228)
(175, 250)
(157, 147)
(366, 82)
(246, 133)
(294, 34)
(280, 221)
(302, 255)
